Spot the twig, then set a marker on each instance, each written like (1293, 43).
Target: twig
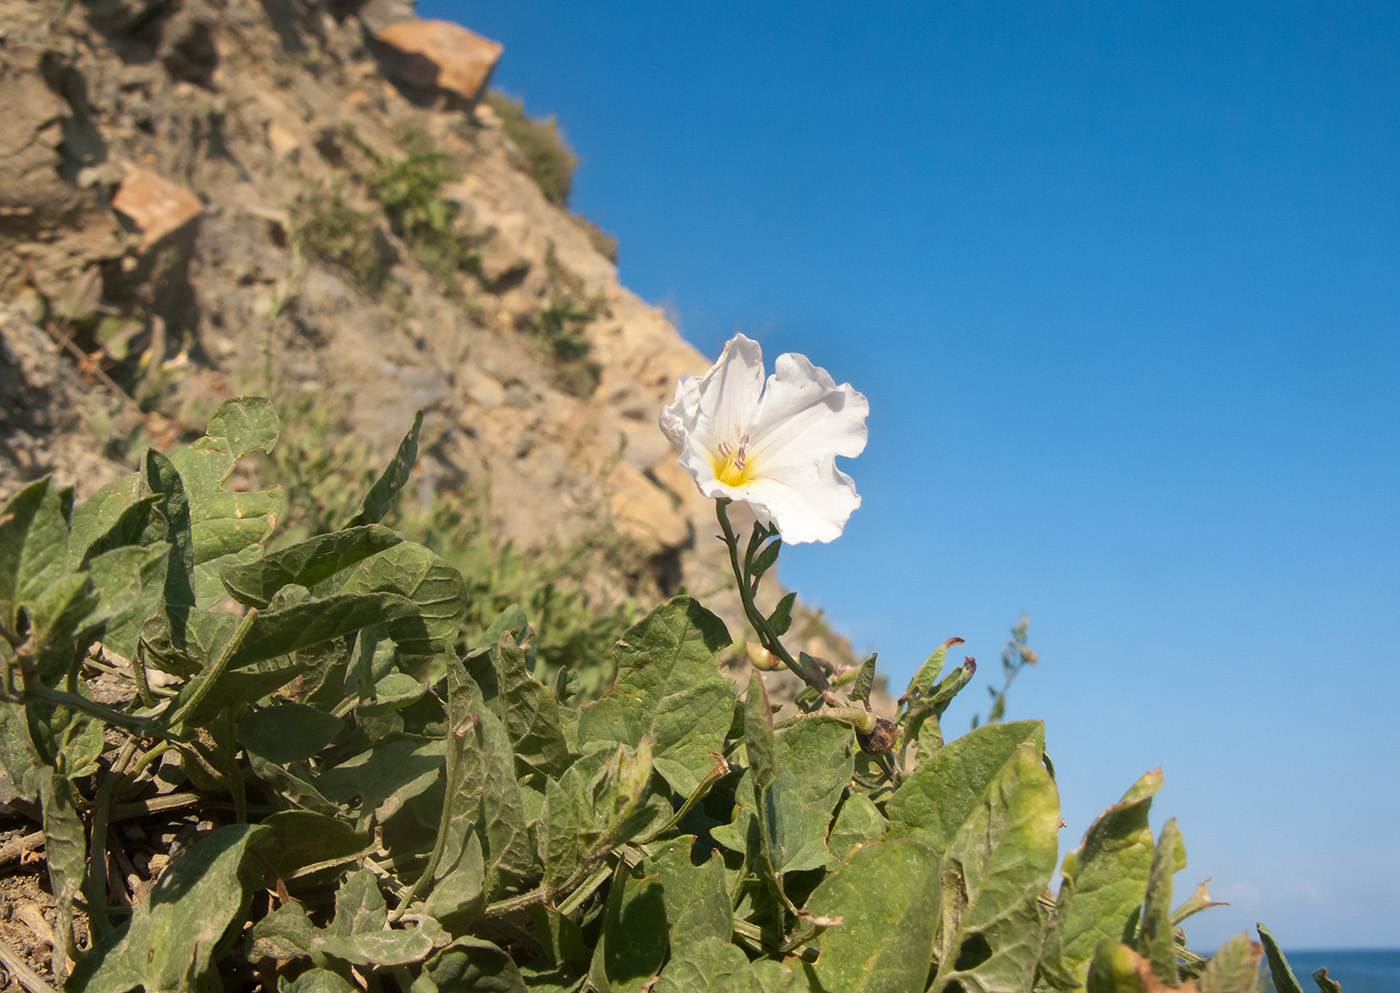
(85, 364)
(26, 976)
(16, 847)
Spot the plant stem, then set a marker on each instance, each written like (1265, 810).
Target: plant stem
(766, 635)
(97, 846)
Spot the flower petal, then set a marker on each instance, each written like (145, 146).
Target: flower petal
(730, 391)
(678, 417)
(808, 504)
(805, 416)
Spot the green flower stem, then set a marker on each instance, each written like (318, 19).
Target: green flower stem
(812, 676)
(73, 701)
(540, 894)
(721, 767)
(33, 687)
(204, 683)
(456, 745)
(862, 720)
(97, 846)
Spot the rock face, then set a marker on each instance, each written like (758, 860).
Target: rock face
(282, 128)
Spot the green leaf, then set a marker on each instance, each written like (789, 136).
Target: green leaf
(705, 965)
(634, 939)
(859, 822)
(695, 896)
(227, 526)
(781, 618)
(425, 578)
(458, 893)
(303, 841)
(288, 732)
(65, 850)
(1199, 900)
(172, 934)
(488, 792)
(769, 976)
(927, 675)
(242, 425)
(318, 981)
(865, 680)
(759, 741)
(395, 476)
(1284, 979)
(58, 612)
(358, 935)
(394, 692)
(33, 545)
(64, 738)
(229, 688)
(938, 798)
(887, 900)
(17, 756)
(950, 686)
(1104, 883)
(921, 727)
(169, 521)
(470, 964)
(307, 563)
(129, 583)
(622, 793)
(1155, 940)
(115, 516)
(764, 560)
(999, 860)
(302, 625)
(1234, 968)
(384, 949)
(669, 688)
(528, 710)
(383, 779)
(561, 939)
(567, 829)
(820, 753)
(285, 933)
(794, 834)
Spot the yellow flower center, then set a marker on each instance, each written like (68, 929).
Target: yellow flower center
(732, 465)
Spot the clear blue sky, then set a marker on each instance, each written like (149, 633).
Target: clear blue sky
(1122, 283)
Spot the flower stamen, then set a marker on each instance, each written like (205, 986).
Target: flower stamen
(732, 466)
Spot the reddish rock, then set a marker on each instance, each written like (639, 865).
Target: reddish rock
(155, 205)
(439, 55)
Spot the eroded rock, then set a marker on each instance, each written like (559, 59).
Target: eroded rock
(439, 55)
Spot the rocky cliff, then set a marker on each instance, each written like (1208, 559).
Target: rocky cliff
(306, 198)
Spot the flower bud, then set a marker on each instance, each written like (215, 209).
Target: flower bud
(761, 658)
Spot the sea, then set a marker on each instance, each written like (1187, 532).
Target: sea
(1358, 971)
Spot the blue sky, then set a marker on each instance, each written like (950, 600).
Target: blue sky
(1122, 284)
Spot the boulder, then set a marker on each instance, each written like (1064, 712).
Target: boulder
(438, 55)
(157, 206)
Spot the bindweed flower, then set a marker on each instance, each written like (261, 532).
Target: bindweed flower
(772, 445)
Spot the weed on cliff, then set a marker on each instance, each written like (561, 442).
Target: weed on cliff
(323, 224)
(550, 160)
(559, 329)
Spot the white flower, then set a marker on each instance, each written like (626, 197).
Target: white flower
(772, 445)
